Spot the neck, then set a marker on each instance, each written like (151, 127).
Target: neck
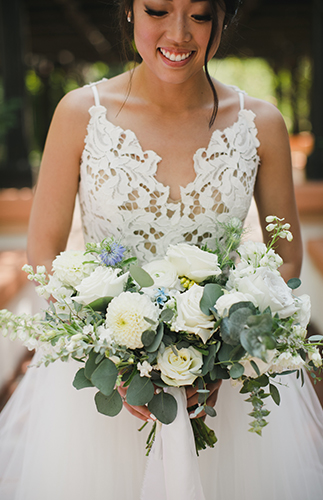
(193, 93)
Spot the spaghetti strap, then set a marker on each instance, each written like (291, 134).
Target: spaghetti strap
(95, 91)
(241, 98)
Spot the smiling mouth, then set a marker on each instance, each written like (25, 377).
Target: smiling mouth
(172, 56)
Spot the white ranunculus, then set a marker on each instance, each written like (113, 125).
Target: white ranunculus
(303, 314)
(180, 369)
(192, 262)
(224, 302)
(70, 269)
(190, 318)
(163, 273)
(103, 282)
(126, 318)
(269, 289)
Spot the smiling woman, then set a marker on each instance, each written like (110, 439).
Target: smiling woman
(161, 155)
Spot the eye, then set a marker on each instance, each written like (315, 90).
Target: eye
(202, 18)
(155, 13)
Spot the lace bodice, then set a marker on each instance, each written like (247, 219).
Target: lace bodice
(121, 197)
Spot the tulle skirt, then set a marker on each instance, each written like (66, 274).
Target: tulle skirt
(55, 446)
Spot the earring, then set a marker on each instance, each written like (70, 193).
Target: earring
(225, 27)
(129, 17)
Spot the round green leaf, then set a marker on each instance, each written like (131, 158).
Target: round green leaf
(101, 304)
(105, 376)
(140, 276)
(164, 407)
(209, 410)
(108, 405)
(158, 338)
(236, 371)
(211, 293)
(140, 391)
(80, 381)
(147, 337)
(91, 364)
(294, 283)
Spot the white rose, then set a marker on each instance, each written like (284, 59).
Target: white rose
(269, 289)
(224, 302)
(70, 269)
(190, 318)
(180, 369)
(163, 273)
(303, 313)
(192, 262)
(126, 318)
(103, 282)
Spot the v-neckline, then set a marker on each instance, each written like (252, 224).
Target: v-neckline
(189, 185)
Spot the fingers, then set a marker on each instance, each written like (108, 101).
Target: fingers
(192, 396)
(140, 412)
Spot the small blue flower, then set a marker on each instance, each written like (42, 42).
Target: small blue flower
(161, 296)
(112, 254)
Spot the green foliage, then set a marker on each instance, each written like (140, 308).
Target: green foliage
(140, 391)
(104, 377)
(143, 279)
(80, 380)
(108, 405)
(164, 407)
(211, 293)
(294, 283)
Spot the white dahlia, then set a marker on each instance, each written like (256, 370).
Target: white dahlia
(126, 318)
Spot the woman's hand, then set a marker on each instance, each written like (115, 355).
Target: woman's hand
(192, 396)
(141, 412)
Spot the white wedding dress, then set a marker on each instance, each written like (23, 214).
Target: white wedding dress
(53, 443)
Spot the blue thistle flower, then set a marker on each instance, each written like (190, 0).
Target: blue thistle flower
(112, 254)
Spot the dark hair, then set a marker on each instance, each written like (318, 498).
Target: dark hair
(230, 8)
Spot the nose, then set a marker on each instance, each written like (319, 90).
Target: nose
(178, 30)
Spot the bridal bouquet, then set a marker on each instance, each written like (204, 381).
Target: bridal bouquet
(190, 318)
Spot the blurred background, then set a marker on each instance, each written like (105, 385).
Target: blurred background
(49, 47)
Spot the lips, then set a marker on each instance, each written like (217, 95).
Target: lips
(175, 56)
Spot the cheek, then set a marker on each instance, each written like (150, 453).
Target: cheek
(145, 38)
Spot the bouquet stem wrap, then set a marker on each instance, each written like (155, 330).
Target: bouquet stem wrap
(172, 471)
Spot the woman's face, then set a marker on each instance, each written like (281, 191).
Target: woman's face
(172, 36)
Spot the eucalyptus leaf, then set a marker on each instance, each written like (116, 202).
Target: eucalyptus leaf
(315, 338)
(255, 367)
(158, 338)
(274, 392)
(140, 391)
(143, 279)
(108, 405)
(100, 304)
(148, 337)
(166, 315)
(219, 373)
(91, 364)
(294, 283)
(209, 410)
(105, 376)
(243, 305)
(233, 325)
(164, 407)
(236, 371)
(80, 381)
(211, 293)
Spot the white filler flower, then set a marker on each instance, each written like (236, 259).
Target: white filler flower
(126, 318)
(180, 369)
(70, 269)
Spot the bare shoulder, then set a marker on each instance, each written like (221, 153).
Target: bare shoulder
(269, 122)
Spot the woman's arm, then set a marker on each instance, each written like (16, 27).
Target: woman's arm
(54, 199)
(274, 191)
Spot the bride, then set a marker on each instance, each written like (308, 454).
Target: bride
(158, 155)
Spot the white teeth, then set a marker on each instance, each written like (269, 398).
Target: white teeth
(174, 57)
